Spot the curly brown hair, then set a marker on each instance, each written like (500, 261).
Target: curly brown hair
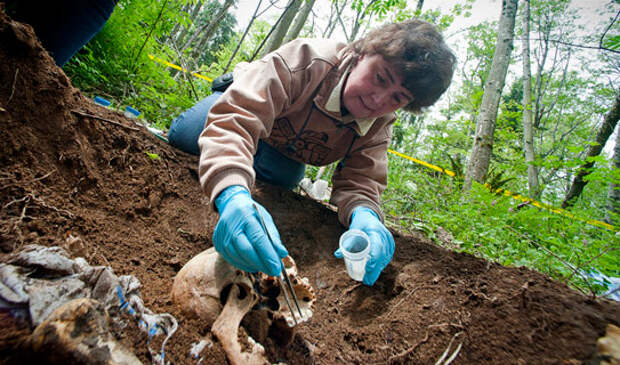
(418, 51)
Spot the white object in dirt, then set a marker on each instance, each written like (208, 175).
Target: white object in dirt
(318, 190)
(355, 247)
(153, 130)
(197, 347)
(38, 280)
(208, 287)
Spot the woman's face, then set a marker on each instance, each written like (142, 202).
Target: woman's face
(374, 88)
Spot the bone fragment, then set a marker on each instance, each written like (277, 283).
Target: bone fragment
(78, 333)
(226, 329)
(609, 346)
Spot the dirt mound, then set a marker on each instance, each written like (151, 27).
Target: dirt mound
(70, 167)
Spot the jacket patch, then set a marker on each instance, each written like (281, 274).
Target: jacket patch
(310, 146)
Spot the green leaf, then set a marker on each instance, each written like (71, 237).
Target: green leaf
(152, 156)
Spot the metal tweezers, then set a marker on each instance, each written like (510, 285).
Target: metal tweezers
(286, 278)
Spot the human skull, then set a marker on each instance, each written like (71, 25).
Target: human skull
(202, 286)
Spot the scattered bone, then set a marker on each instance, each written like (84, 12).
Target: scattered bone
(76, 246)
(78, 333)
(608, 347)
(303, 290)
(226, 328)
(197, 347)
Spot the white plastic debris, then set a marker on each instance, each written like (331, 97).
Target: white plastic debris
(318, 190)
(197, 348)
(38, 280)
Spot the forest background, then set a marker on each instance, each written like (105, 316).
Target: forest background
(534, 100)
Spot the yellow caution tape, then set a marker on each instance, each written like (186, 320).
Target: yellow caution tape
(430, 166)
(514, 195)
(164, 62)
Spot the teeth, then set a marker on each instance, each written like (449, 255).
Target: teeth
(303, 291)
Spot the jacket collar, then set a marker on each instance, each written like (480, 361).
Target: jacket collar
(329, 98)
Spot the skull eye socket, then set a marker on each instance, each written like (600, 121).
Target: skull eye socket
(243, 292)
(224, 293)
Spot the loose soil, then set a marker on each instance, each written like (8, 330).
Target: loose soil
(63, 172)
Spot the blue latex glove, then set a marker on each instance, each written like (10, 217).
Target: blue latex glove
(239, 236)
(381, 242)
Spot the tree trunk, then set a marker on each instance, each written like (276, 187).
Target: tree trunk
(358, 20)
(178, 37)
(537, 107)
(134, 64)
(183, 32)
(418, 8)
(335, 18)
(613, 197)
(245, 33)
(331, 23)
(176, 28)
(300, 21)
(208, 32)
(528, 133)
(275, 39)
(485, 122)
(607, 128)
(209, 27)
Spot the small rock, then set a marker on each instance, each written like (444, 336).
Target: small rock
(76, 246)
(197, 348)
(402, 281)
(175, 263)
(445, 237)
(321, 284)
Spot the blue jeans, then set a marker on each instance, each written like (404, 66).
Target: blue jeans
(269, 164)
(186, 128)
(63, 26)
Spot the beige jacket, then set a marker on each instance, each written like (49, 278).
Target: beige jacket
(291, 100)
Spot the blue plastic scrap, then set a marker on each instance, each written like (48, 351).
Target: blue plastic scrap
(132, 111)
(150, 330)
(101, 101)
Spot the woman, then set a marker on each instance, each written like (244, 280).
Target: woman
(314, 101)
